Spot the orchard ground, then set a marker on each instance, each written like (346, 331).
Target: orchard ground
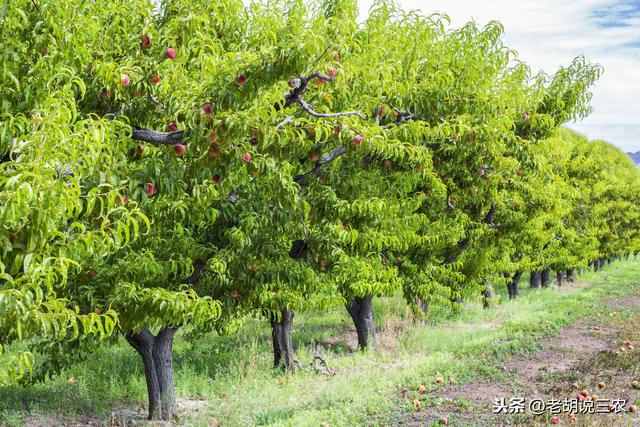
(538, 345)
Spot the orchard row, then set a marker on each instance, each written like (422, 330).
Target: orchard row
(192, 164)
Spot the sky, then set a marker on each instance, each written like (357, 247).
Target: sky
(550, 33)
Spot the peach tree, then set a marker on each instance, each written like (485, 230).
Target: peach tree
(55, 218)
(210, 160)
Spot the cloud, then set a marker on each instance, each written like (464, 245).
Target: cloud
(548, 34)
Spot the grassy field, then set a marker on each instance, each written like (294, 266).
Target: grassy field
(229, 380)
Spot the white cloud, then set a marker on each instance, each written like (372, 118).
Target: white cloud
(548, 34)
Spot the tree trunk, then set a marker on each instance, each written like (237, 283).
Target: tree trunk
(487, 296)
(559, 277)
(534, 279)
(544, 278)
(422, 306)
(361, 311)
(512, 285)
(283, 356)
(157, 357)
(570, 275)
(596, 265)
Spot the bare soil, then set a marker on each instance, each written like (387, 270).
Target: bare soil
(124, 416)
(581, 353)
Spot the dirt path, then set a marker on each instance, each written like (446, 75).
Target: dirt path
(583, 353)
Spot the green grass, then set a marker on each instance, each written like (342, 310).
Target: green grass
(365, 389)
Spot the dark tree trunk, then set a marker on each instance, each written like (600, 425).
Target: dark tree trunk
(559, 277)
(512, 285)
(534, 279)
(570, 275)
(361, 311)
(596, 265)
(608, 260)
(422, 306)
(487, 296)
(283, 356)
(544, 278)
(157, 356)
(626, 256)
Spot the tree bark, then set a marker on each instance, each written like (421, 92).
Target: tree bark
(422, 306)
(596, 265)
(544, 278)
(570, 275)
(157, 357)
(559, 277)
(283, 355)
(157, 137)
(534, 279)
(512, 285)
(361, 311)
(487, 296)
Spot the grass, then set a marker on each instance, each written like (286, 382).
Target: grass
(233, 378)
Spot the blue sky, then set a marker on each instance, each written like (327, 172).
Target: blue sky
(550, 33)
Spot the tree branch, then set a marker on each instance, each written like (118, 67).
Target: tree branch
(306, 107)
(324, 160)
(199, 267)
(488, 219)
(464, 243)
(233, 196)
(157, 137)
(449, 204)
(284, 122)
(403, 116)
(300, 86)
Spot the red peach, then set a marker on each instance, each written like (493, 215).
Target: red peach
(214, 151)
